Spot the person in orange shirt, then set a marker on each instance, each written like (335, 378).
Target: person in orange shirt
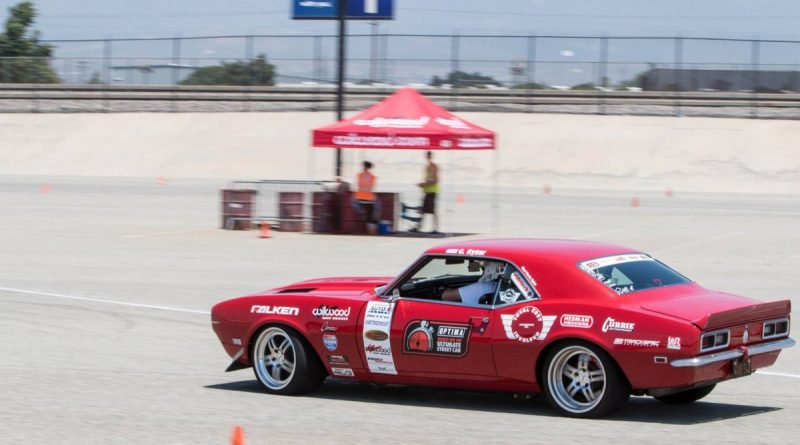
(365, 201)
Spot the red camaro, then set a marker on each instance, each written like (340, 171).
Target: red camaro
(586, 323)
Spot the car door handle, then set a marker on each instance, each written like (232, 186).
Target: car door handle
(479, 323)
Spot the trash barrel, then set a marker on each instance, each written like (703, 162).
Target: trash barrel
(237, 203)
(290, 211)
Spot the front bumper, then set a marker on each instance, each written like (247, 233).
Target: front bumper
(761, 348)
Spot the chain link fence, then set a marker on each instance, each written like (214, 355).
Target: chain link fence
(756, 78)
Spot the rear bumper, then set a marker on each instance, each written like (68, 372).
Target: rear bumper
(761, 348)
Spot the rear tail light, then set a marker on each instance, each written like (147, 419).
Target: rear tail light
(715, 340)
(775, 328)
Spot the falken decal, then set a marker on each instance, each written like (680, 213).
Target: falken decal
(436, 338)
(377, 347)
(527, 324)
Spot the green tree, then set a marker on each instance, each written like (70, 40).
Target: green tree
(23, 59)
(584, 86)
(461, 79)
(531, 86)
(255, 72)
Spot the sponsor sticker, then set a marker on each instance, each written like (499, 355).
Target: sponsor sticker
(576, 321)
(527, 324)
(674, 343)
(509, 296)
(523, 287)
(274, 310)
(436, 338)
(377, 347)
(613, 260)
(613, 325)
(342, 372)
(529, 276)
(331, 313)
(339, 360)
(330, 341)
(470, 252)
(637, 342)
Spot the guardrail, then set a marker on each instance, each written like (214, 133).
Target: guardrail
(54, 97)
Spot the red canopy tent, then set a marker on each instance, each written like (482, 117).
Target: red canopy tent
(405, 120)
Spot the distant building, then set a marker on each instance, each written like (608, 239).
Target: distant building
(669, 79)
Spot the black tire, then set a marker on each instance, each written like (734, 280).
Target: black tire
(684, 397)
(284, 363)
(581, 380)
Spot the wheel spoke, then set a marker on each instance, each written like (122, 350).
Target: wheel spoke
(569, 369)
(287, 366)
(271, 344)
(589, 394)
(276, 373)
(573, 387)
(583, 362)
(285, 344)
(597, 375)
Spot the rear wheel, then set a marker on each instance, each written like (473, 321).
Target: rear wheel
(581, 380)
(284, 363)
(692, 395)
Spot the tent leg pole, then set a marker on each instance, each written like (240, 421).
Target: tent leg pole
(495, 203)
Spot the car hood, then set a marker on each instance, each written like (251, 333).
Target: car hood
(338, 285)
(710, 309)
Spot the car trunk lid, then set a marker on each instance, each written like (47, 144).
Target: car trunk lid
(712, 310)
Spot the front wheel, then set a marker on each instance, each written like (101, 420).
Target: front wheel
(284, 364)
(683, 397)
(581, 380)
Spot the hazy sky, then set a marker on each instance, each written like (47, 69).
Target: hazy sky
(560, 61)
(124, 18)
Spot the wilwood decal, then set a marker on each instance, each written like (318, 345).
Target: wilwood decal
(435, 338)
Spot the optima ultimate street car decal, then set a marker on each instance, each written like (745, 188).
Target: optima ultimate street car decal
(434, 338)
(377, 348)
(527, 324)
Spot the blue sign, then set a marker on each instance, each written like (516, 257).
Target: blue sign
(355, 9)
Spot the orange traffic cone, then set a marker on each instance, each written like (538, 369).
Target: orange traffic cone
(238, 436)
(635, 202)
(668, 193)
(547, 189)
(46, 188)
(264, 230)
(460, 199)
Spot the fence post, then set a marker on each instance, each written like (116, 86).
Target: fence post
(385, 58)
(678, 74)
(176, 61)
(317, 71)
(248, 57)
(107, 76)
(755, 66)
(603, 75)
(454, 66)
(530, 71)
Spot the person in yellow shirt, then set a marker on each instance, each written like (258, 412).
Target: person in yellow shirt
(430, 187)
(365, 201)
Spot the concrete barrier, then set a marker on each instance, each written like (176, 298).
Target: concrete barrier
(563, 151)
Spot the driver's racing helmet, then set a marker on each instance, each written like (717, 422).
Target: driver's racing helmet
(492, 271)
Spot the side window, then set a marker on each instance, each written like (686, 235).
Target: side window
(514, 288)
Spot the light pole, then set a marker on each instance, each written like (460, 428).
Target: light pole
(340, 76)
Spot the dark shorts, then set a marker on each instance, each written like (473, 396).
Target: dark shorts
(429, 203)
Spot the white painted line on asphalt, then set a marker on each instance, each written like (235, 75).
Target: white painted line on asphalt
(100, 300)
(778, 374)
(695, 242)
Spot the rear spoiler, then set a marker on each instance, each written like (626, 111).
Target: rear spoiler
(763, 311)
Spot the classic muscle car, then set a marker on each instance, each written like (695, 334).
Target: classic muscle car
(587, 324)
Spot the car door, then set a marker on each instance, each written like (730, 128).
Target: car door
(441, 339)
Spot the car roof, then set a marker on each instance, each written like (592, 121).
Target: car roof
(520, 249)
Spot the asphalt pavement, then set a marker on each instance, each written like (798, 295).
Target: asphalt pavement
(106, 284)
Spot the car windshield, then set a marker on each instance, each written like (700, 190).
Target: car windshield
(632, 272)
